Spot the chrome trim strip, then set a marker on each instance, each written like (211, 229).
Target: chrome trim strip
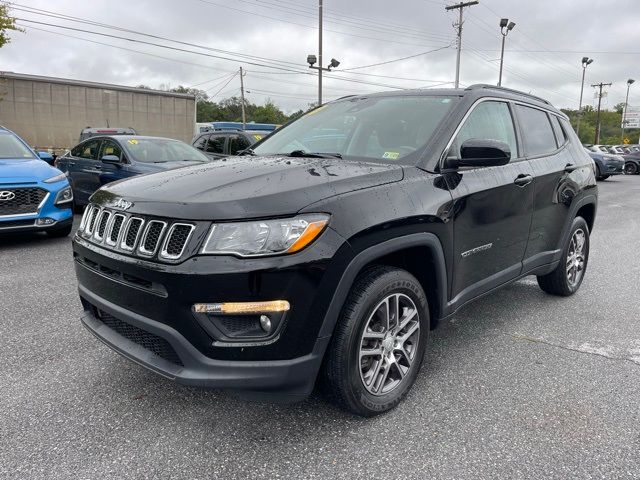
(163, 251)
(141, 249)
(96, 235)
(42, 202)
(95, 211)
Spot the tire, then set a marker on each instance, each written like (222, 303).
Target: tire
(60, 232)
(377, 382)
(604, 177)
(598, 175)
(630, 168)
(566, 279)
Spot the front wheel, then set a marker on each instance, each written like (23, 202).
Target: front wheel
(568, 275)
(377, 348)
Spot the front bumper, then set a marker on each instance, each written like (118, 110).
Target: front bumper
(165, 351)
(613, 168)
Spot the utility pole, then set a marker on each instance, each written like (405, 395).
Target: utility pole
(458, 6)
(599, 86)
(630, 82)
(320, 52)
(244, 119)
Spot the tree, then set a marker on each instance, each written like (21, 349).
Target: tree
(7, 23)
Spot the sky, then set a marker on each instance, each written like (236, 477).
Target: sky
(271, 39)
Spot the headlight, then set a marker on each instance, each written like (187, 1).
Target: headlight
(64, 196)
(55, 179)
(264, 237)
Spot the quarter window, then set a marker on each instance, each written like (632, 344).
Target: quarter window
(488, 121)
(561, 136)
(201, 142)
(538, 136)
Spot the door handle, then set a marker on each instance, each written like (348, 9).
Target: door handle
(570, 167)
(523, 180)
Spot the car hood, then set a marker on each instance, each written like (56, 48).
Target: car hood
(25, 171)
(245, 187)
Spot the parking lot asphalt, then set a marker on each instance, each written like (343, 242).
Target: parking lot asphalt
(518, 384)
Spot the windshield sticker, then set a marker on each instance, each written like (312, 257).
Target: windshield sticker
(316, 110)
(258, 137)
(391, 155)
(133, 141)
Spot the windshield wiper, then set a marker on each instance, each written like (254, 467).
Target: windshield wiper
(302, 153)
(246, 151)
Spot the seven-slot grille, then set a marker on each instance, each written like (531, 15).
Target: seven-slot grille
(135, 235)
(25, 201)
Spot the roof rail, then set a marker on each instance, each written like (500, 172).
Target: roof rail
(510, 90)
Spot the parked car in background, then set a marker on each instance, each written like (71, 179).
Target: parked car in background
(223, 143)
(632, 163)
(89, 132)
(291, 263)
(100, 160)
(606, 164)
(34, 196)
(202, 127)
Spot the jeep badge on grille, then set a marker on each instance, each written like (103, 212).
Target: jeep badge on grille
(123, 204)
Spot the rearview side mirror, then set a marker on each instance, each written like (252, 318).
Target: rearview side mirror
(46, 156)
(477, 152)
(114, 159)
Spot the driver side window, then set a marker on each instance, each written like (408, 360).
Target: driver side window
(489, 120)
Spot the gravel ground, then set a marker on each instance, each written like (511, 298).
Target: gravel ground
(517, 385)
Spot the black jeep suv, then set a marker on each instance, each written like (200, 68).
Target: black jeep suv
(330, 249)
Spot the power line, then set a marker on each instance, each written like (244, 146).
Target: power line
(395, 59)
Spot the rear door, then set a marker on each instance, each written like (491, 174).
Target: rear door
(84, 169)
(492, 206)
(547, 148)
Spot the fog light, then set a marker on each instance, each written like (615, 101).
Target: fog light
(242, 308)
(45, 221)
(265, 323)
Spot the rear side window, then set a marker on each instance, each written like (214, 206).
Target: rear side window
(561, 136)
(216, 144)
(88, 150)
(201, 142)
(489, 120)
(538, 136)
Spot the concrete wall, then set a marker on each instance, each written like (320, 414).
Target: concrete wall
(51, 114)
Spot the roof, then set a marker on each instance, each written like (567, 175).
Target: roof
(83, 83)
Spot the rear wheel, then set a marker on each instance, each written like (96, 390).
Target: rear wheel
(568, 275)
(630, 168)
(376, 351)
(604, 177)
(598, 174)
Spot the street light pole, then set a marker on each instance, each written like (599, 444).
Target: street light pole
(586, 61)
(459, 6)
(624, 110)
(504, 24)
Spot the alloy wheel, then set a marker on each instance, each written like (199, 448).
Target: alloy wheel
(576, 257)
(389, 344)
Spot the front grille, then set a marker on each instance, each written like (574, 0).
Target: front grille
(176, 241)
(21, 201)
(116, 227)
(17, 224)
(134, 235)
(155, 344)
(151, 237)
(102, 224)
(131, 236)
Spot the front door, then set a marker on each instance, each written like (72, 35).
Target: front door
(492, 206)
(85, 169)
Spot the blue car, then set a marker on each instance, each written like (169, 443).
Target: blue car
(104, 159)
(607, 164)
(34, 196)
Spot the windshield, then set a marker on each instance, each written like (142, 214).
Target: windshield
(11, 147)
(386, 129)
(161, 150)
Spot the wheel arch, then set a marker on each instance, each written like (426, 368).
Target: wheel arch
(421, 254)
